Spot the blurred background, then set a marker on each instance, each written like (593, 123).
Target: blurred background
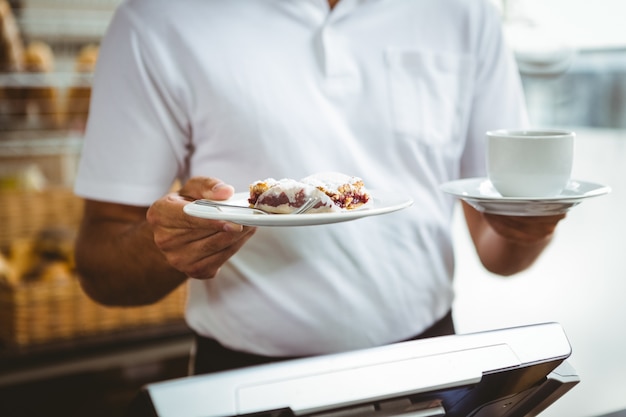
(572, 57)
(61, 354)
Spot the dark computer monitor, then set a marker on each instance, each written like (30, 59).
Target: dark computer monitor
(509, 372)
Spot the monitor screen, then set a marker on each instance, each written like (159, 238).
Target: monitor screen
(511, 372)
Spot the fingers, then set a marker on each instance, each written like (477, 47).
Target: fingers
(196, 247)
(199, 247)
(205, 187)
(203, 256)
(524, 229)
(169, 211)
(210, 256)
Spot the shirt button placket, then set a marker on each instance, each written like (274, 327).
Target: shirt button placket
(340, 70)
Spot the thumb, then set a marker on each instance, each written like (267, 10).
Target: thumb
(206, 187)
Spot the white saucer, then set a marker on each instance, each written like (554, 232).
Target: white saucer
(480, 194)
(382, 204)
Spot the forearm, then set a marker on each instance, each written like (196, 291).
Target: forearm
(119, 264)
(128, 255)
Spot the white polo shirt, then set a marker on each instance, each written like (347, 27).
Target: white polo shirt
(398, 92)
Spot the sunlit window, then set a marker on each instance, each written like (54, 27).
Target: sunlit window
(572, 57)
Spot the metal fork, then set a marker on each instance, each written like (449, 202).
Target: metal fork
(218, 205)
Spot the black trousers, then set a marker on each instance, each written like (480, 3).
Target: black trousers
(211, 356)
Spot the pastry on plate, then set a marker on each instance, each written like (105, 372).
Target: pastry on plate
(334, 191)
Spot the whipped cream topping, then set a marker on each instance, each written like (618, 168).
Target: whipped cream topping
(333, 190)
(330, 181)
(286, 195)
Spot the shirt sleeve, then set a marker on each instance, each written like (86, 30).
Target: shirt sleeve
(498, 101)
(136, 140)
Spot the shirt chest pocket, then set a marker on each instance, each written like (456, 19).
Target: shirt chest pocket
(430, 95)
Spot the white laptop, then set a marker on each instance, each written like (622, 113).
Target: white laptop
(510, 372)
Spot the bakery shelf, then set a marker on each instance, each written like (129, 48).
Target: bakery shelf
(44, 101)
(36, 163)
(65, 20)
(45, 145)
(38, 79)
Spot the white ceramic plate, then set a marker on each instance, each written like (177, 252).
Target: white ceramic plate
(382, 204)
(480, 194)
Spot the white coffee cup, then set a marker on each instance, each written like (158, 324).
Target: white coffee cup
(530, 163)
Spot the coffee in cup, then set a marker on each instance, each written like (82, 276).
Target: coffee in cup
(530, 163)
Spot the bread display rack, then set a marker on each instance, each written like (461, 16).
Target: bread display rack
(48, 50)
(54, 312)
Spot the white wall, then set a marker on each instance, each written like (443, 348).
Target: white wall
(580, 282)
(582, 23)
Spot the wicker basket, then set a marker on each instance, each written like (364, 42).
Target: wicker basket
(23, 214)
(42, 312)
